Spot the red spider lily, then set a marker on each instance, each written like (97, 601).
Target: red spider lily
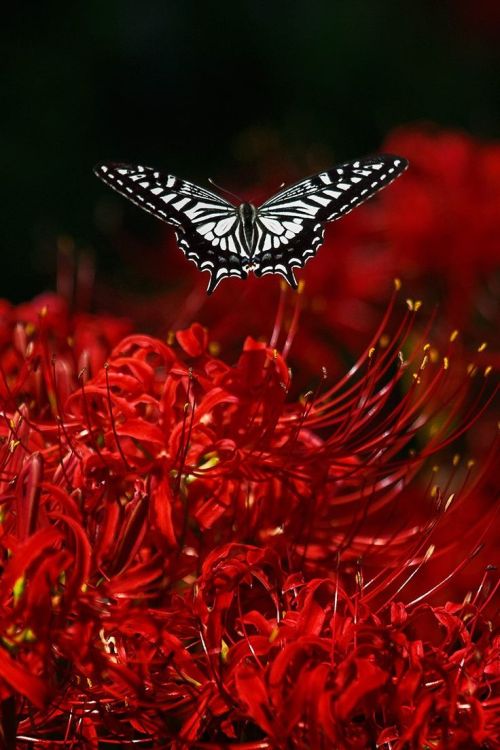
(191, 556)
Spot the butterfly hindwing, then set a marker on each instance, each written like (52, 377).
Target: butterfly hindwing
(291, 223)
(207, 227)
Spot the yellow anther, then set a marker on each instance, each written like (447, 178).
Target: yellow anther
(446, 363)
(211, 460)
(274, 634)
(449, 501)
(424, 362)
(409, 302)
(429, 553)
(170, 338)
(371, 352)
(417, 305)
(454, 334)
(397, 284)
(384, 341)
(427, 347)
(487, 371)
(456, 459)
(482, 346)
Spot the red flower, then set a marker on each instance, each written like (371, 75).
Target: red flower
(182, 540)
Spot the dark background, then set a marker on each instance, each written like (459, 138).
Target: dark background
(231, 90)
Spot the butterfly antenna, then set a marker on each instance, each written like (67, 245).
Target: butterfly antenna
(225, 191)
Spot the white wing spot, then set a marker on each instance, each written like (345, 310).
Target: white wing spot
(181, 203)
(272, 225)
(204, 229)
(267, 243)
(224, 226)
(319, 199)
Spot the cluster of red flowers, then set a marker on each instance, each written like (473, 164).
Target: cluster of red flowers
(193, 557)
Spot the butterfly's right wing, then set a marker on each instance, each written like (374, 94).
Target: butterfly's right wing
(290, 225)
(208, 228)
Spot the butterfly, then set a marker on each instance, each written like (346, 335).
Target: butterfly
(231, 240)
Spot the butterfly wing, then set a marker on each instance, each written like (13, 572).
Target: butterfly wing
(290, 225)
(208, 228)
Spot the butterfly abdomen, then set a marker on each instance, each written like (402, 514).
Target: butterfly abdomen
(248, 214)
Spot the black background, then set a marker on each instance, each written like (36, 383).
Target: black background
(227, 89)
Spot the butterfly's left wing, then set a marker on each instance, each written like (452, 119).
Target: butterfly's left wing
(208, 228)
(290, 225)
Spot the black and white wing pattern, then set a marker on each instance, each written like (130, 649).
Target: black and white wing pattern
(278, 236)
(209, 230)
(291, 224)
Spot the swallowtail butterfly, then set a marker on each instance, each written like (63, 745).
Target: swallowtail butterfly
(276, 237)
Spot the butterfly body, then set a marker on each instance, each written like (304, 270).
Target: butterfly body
(281, 234)
(248, 214)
